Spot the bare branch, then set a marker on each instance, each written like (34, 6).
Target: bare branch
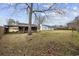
(50, 8)
(45, 15)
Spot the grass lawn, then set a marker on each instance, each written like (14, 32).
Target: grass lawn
(57, 42)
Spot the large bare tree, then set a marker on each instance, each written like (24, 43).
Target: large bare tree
(76, 23)
(35, 11)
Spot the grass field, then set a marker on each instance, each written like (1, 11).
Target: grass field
(44, 43)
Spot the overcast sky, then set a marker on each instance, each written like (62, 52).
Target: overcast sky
(72, 10)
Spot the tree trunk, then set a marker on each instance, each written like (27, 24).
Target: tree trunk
(38, 26)
(30, 19)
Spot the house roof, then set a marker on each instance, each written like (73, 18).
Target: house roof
(20, 24)
(49, 26)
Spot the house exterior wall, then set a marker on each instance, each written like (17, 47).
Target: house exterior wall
(13, 29)
(45, 28)
(20, 29)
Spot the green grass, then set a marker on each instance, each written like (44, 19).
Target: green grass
(59, 42)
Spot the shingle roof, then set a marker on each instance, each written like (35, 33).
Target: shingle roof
(20, 24)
